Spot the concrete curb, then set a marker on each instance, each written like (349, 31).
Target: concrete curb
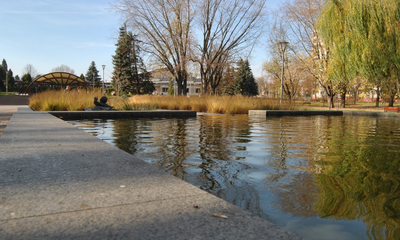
(281, 113)
(371, 114)
(74, 115)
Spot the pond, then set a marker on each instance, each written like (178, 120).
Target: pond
(320, 177)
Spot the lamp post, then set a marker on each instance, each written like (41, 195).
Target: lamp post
(102, 89)
(93, 82)
(282, 47)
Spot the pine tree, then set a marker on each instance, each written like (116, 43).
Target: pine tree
(82, 76)
(171, 90)
(146, 85)
(245, 81)
(4, 64)
(130, 75)
(3, 74)
(26, 80)
(10, 80)
(92, 74)
(227, 85)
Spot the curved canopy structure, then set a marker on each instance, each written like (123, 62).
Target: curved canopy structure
(58, 78)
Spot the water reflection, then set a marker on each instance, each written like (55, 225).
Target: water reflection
(335, 175)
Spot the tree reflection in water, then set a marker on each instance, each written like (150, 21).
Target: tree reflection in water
(327, 171)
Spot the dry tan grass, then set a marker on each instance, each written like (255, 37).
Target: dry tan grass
(63, 101)
(209, 104)
(77, 101)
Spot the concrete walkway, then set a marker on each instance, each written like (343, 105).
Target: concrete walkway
(6, 113)
(58, 182)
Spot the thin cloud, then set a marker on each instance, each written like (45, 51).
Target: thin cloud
(94, 45)
(24, 12)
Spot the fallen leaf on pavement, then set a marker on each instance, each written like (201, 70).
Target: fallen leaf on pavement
(219, 215)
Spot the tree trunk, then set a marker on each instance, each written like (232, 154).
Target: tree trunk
(290, 97)
(331, 103)
(329, 96)
(204, 83)
(355, 96)
(391, 101)
(343, 98)
(185, 90)
(377, 96)
(392, 94)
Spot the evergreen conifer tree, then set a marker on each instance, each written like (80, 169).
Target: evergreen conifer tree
(4, 64)
(26, 80)
(130, 75)
(245, 81)
(10, 80)
(3, 75)
(171, 90)
(227, 85)
(92, 74)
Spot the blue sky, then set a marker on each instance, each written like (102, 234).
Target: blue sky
(48, 33)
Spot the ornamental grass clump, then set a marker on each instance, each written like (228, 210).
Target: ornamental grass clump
(79, 100)
(63, 100)
(211, 104)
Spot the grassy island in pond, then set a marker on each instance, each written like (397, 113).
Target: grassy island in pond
(78, 101)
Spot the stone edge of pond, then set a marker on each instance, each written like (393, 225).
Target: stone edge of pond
(76, 115)
(281, 113)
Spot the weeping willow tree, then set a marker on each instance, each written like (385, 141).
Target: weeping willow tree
(336, 34)
(364, 39)
(376, 25)
(390, 14)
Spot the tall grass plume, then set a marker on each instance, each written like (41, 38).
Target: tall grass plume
(78, 101)
(63, 101)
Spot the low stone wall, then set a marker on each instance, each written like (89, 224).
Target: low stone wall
(76, 115)
(371, 114)
(281, 113)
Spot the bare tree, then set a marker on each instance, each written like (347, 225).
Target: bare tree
(164, 26)
(29, 68)
(294, 74)
(227, 27)
(295, 59)
(300, 18)
(63, 68)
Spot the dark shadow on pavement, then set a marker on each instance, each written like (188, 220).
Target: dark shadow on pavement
(14, 100)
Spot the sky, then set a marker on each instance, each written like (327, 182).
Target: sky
(49, 33)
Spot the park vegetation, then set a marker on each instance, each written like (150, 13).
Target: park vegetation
(336, 48)
(342, 46)
(208, 35)
(79, 100)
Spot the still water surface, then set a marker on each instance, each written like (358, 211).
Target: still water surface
(320, 177)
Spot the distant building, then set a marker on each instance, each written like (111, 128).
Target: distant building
(161, 78)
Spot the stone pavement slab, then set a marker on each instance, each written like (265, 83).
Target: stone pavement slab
(58, 182)
(6, 112)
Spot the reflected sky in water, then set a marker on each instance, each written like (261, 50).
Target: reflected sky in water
(320, 177)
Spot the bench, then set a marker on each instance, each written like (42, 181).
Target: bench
(309, 103)
(391, 109)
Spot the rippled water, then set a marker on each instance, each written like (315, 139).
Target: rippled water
(320, 177)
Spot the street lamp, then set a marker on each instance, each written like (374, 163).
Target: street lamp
(282, 47)
(102, 89)
(93, 81)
